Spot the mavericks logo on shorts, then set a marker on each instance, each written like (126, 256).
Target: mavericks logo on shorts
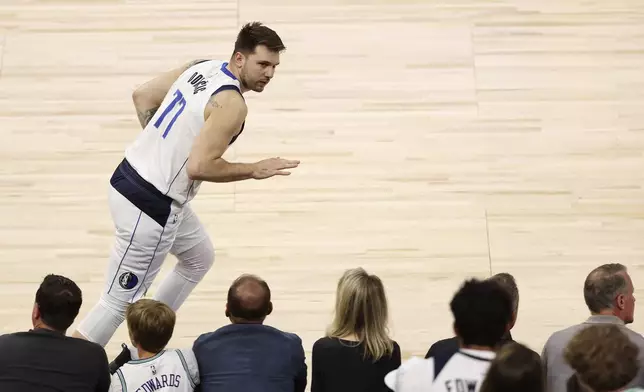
(128, 280)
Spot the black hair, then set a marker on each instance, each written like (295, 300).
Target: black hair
(59, 299)
(482, 311)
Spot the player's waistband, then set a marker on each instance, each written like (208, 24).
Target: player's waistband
(141, 193)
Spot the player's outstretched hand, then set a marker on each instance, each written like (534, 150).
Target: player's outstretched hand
(273, 167)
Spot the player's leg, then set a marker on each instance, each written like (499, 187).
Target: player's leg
(195, 254)
(143, 239)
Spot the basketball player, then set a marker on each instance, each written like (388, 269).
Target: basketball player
(190, 116)
(151, 324)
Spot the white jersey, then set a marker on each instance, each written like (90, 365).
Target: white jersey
(160, 152)
(463, 371)
(168, 371)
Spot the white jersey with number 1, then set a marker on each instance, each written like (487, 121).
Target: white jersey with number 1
(160, 152)
(168, 371)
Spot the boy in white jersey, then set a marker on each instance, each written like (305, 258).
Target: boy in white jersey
(151, 324)
(190, 117)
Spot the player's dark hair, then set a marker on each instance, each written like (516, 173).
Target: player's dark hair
(254, 34)
(59, 299)
(482, 311)
(242, 306)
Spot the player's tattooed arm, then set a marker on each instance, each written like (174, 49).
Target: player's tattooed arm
(149, 96)
(213, 104)
(146, 116)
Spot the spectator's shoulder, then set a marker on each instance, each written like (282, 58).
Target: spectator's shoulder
(207, 336)
(449, 345)
(325, 343)
(445, 342)
(292, 337)
(88, 346)
(10, 338)
(636, 337)
(558, 340)
(565, 333)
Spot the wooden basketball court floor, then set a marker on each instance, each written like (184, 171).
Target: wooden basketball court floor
(439, 140)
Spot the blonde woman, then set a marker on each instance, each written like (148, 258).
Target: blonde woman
(357, 352)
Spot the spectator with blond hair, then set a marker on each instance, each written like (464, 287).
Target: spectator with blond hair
(151, 324)
(603, 358)
(357, 351)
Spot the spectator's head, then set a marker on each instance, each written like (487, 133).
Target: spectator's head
(249, 300)
(507, 281)
(603, 357)
(58, 301)
(151, 324)
(482, 312)
(515, 368)
(361, 313)
(608, 290)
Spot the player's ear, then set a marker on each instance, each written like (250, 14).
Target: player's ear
(270, 308)
(239, 59)
(227, 312)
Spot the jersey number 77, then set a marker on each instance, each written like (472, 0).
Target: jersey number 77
(178, 100)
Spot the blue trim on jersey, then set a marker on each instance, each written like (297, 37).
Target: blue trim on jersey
(226, 87)
(226, 71)
(141, 193)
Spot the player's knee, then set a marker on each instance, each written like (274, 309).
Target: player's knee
(114, 305)
(209, 256)
(196, 262)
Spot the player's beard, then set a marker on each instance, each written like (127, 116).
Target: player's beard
(248, 84)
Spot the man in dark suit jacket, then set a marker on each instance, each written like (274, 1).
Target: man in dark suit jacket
(248, 355)
(452, 345)
(44, 359)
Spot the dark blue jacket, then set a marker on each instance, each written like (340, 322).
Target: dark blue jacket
(250, 358)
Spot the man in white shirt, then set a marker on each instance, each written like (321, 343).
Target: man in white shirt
(482, 315)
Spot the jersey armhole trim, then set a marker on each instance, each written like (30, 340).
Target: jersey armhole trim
(226, 87)
(122, 379)
(185, 366)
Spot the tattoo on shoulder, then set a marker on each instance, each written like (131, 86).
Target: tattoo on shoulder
(146, 116)
(214, 104)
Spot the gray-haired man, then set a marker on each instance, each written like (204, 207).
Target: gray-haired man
(608, 292)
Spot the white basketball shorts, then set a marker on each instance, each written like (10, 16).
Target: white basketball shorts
(149, 225)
